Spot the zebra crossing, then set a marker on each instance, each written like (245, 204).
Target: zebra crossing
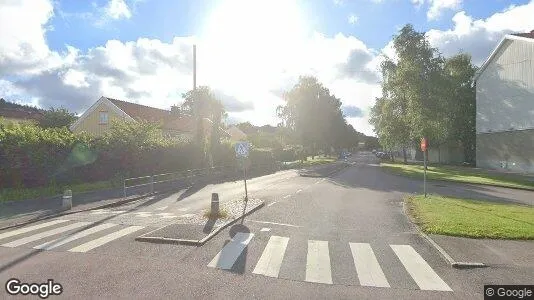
(318, 267)
(66, 232)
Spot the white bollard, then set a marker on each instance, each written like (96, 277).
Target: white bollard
(67, 200)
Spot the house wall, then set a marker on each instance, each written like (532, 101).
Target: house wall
(505, 108)
(511, 150)
(91, 123)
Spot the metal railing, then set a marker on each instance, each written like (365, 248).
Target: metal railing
(187, 176)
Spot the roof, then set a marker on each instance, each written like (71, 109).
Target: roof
(138, 112)
(17, 113)
(236, 133)
(527, 37)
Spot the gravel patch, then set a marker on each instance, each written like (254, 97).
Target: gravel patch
(234, 210)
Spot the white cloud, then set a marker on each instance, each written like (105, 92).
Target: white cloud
(352, 19)
(338, 2)
(479, 37)
(117, 9)
(438, 6)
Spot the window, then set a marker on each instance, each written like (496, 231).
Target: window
(103, 117)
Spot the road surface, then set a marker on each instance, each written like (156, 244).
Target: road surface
(345, 236)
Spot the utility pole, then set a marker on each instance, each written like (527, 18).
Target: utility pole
(194, 67)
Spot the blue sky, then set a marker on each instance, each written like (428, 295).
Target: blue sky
(69, 52)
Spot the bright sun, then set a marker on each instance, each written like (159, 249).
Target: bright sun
(251, 39)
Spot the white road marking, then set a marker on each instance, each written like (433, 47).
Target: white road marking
(265, 229)
(274, 223)
(272, 257)
(165, 214)
(183, 209)
(67, 239)
(116, 212)
(99, 212)
(30, 228)
(42, 235)
(287, 196)
(419, 269)
(187, 215)
(272, 203)
(226, 258)
(105, 239)
(298, 191)
(162, 208)
(318, 262)
(143, 214)
(367, 267)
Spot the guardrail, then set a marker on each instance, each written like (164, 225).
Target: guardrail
(187, 175)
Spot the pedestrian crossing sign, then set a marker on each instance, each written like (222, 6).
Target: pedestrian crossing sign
(241, 149)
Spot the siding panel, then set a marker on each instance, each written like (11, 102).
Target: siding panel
(91, 123)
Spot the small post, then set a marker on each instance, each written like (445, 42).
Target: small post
(67, 200)
(424, 180)
(152, 184)
(124, 187)
(214, 205)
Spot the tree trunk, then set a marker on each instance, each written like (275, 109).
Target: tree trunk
(404, 154)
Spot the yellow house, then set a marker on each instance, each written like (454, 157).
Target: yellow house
(236, 134)
(98, 118)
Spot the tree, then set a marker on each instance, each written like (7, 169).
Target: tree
(202, 104)
(59, 117)
(313, 114)
(460, 73)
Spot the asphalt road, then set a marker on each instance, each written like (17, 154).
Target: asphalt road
(340, 237)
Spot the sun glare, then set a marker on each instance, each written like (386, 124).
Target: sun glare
(252, 39)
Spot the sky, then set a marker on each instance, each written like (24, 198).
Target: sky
(69, 53)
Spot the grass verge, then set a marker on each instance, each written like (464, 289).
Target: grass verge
(222, 214)
(15, 194)
(471, 218)
(462, 174)
(317, 160)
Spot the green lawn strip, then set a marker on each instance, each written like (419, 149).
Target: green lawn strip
(461, 174)
(471, 218)
(14, 194)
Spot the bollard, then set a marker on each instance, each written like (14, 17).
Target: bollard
(214, 204)
(67, 200)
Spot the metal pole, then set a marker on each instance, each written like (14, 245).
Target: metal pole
(245, 177)
(424, 180)
(194, 67)
(152, 184)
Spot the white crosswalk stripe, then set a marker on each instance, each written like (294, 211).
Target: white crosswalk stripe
(63, 240)
(271, 258)
(30, 228)
(318, 262)
(367, 267)
(42, 235)
(105, 239)
(226, 258)
(418, 268)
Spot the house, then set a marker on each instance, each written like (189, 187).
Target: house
(15, 113)
(99, 118)
(505, 106)
(236, 134)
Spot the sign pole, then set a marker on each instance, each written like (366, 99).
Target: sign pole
(424, 183)
(245, 178)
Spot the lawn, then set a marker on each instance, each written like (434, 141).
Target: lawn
(13, 194)
(471, 218)
(462, 174)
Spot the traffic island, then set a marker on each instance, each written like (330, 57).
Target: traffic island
(199, 228)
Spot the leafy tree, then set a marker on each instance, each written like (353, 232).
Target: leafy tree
(57, 117)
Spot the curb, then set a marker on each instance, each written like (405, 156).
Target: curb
(163, 240)
(444, 254)
(59, 213)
